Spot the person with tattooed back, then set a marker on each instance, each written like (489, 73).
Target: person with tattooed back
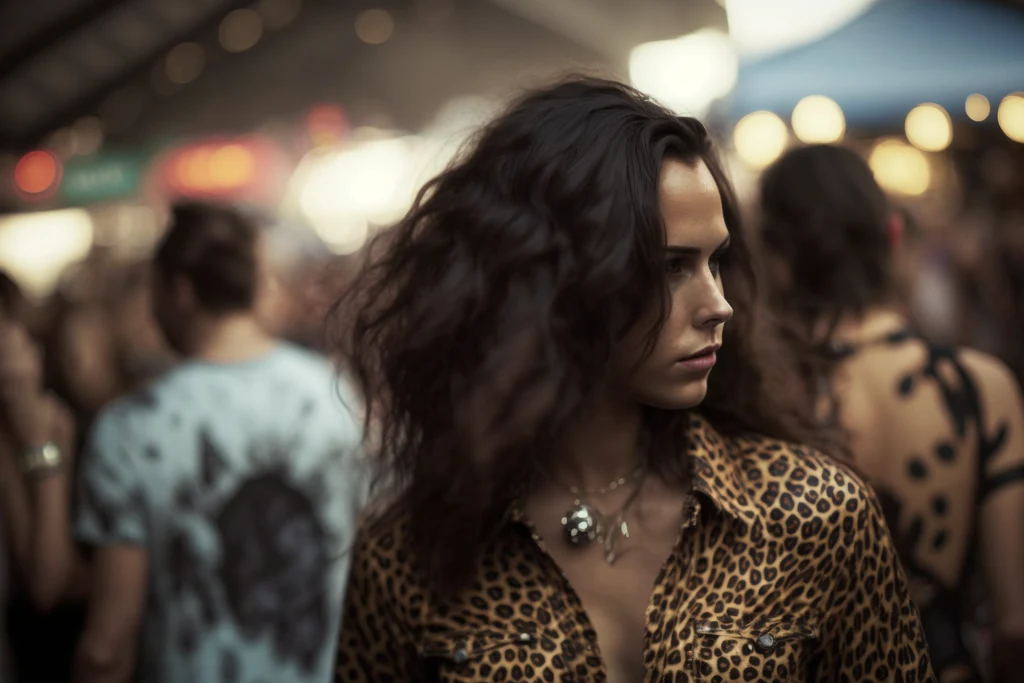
(938, 431)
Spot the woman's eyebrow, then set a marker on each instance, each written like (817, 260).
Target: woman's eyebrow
(681, 250)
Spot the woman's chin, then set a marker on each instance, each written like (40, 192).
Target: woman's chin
(680, 397)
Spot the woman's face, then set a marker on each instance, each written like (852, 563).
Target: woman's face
(675, 374)
(86, 357)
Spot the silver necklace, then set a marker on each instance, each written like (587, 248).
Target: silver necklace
(584, 523)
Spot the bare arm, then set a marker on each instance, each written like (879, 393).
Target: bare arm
(16, 506)
(1002, 516)
(111, 518)
(37, 511)
(106, 652)
(48, 558)
(56, 569)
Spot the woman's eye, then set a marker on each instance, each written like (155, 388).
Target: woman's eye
(715, 265)
(674, 266)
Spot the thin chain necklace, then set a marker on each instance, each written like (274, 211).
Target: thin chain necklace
(611, 486)
(584, 523)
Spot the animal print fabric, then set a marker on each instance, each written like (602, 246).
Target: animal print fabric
(784, 572)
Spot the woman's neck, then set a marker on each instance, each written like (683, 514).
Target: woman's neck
(601, 445)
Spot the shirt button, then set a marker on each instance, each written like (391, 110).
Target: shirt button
(766, 642)
(460, 656)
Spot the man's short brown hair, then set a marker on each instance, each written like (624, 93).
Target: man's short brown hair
(215, 248)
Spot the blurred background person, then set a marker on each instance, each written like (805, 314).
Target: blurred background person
(12, 305)
(219, 500)
(938, 430)
(1009, 289)
(36, 450)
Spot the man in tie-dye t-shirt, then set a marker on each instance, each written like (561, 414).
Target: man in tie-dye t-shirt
(221, 501)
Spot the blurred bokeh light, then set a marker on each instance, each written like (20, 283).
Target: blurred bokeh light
(241, 30)
(758, 26)
(37, 172)
(36, 247)
(900, 168)
(929, 127)
(184, 63)
(760, 138)
(1011, 116)
(276, 14)
(374, 26)
(686, 74)
(818, 119)
(977, 107)
(87, 135)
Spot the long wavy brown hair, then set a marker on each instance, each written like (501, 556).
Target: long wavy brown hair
(480, 324)
(825, 217)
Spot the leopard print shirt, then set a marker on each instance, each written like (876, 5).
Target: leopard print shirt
(784, 572)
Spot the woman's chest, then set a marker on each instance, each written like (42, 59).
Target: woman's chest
(750, 648)
(704, 620)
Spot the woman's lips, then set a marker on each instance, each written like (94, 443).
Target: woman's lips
(699, 362)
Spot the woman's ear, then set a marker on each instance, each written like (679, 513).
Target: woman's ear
(895, 228)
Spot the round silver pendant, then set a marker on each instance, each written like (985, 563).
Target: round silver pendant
(580, 525)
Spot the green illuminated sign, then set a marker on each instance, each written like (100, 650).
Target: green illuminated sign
(101, 178)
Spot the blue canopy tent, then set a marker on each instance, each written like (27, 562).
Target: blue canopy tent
(894, 56)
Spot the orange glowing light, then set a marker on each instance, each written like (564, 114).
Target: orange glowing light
(37, 172)
(214, 168)
(191, 169)
(231, 167)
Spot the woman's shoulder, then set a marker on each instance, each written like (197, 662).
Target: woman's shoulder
(791, 483)
(383, 533)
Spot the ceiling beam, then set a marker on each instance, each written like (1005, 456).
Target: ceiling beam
(135, 70)
(579, 21)
(53, 33)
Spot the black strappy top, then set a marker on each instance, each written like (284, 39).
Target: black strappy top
(949, 609)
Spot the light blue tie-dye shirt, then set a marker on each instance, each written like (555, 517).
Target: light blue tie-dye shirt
(243, 482)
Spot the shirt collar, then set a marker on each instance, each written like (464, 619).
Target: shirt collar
(716, 474)
(713, 462)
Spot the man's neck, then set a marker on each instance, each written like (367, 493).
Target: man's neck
(232, 339)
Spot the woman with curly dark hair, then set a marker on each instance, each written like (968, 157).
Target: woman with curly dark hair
(600, 467)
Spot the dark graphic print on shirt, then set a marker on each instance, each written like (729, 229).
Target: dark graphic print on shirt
(270, 574)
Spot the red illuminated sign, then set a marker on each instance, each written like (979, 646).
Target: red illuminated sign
(37, 174)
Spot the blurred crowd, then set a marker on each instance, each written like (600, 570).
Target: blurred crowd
(96, 340)
(963, 281)
(93, 341)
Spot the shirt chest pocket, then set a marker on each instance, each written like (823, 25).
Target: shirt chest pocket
(477, 656)
(778, 649)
